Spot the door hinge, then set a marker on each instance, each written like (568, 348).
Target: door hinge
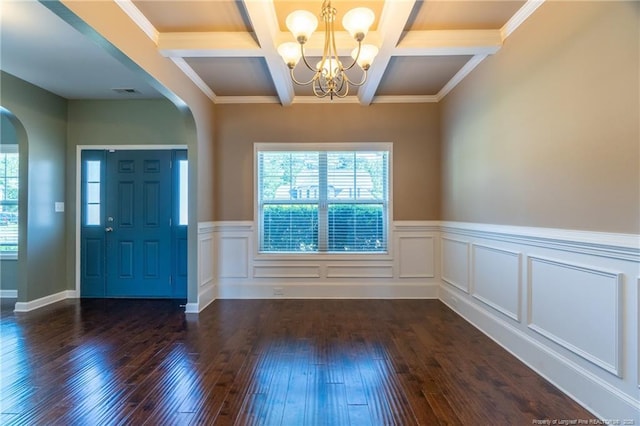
(170, 280)
(170, 222)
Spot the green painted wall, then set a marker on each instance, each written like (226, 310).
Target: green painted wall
(43, 116)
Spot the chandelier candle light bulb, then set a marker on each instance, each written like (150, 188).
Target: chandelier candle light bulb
(329, 78)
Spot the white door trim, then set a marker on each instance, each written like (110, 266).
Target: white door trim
(79, 149)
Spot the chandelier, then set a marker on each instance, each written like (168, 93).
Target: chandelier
(329, 75)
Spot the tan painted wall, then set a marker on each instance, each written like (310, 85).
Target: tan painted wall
(413, 129)
(546, 132)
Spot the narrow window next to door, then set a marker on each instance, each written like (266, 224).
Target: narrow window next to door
(183, 192)
(92, 195)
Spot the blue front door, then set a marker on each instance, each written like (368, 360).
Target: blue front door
(130, 245)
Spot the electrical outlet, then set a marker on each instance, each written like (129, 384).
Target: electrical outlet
(278, 291)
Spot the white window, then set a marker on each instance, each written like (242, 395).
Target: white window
(9, 188)
(183, 192)
(328, 198)
(93, 191)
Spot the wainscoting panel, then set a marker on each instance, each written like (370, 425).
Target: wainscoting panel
(286, 271)
(359, 271)
(565, 302)
(205, 260)
(417, 255)
(495, 279)
(455, 263)
(234, 254)
(407, 271)
(577, 308)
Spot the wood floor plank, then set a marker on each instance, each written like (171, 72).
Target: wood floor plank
(263, 362)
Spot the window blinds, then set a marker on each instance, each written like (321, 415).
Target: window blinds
(323, 201)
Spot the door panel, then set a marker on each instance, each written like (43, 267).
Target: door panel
(139, 211)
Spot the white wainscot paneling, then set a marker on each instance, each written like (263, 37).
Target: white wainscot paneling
(495, 279)
(359, 271)
(416, 256)
(455, 263)
(205, 260)
(578, 308)
(286, 271)
(234, 256)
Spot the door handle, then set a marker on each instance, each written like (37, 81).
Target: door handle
(108, 229)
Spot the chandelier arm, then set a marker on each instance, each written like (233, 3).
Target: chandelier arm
(355, 60)
(322, 93)
(333, 49)
(326, 53)
(344, 95)
(304, 58)
(299, 83)
(364, 78)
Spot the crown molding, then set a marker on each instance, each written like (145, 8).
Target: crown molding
(519, 17)
(247, 100)
(189, 72)
(140, 20)
(406, 99)
(460, 75)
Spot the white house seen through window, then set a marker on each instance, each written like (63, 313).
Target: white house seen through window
(332, 200)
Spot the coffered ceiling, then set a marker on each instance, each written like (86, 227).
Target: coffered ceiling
(228, 47)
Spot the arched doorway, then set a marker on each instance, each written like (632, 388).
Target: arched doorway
(13, 204)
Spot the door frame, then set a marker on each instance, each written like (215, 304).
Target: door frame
(78, 194)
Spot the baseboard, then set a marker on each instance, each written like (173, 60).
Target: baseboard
(343, 290)
(44, 301)
(581, 385)
(205, 297)
(8, 294)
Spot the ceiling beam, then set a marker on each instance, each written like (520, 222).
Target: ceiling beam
(208, 44)
(265, 26)
(392, 22)
(449, 42)
(240, 44)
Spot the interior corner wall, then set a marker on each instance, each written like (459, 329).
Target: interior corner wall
(44, 117)
(545, 133)
(413, 129)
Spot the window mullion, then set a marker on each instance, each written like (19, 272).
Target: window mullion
(323, 221)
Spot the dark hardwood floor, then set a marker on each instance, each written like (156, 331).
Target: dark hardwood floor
(271, 362)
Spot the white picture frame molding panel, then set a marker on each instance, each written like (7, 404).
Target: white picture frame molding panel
(578, 305)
